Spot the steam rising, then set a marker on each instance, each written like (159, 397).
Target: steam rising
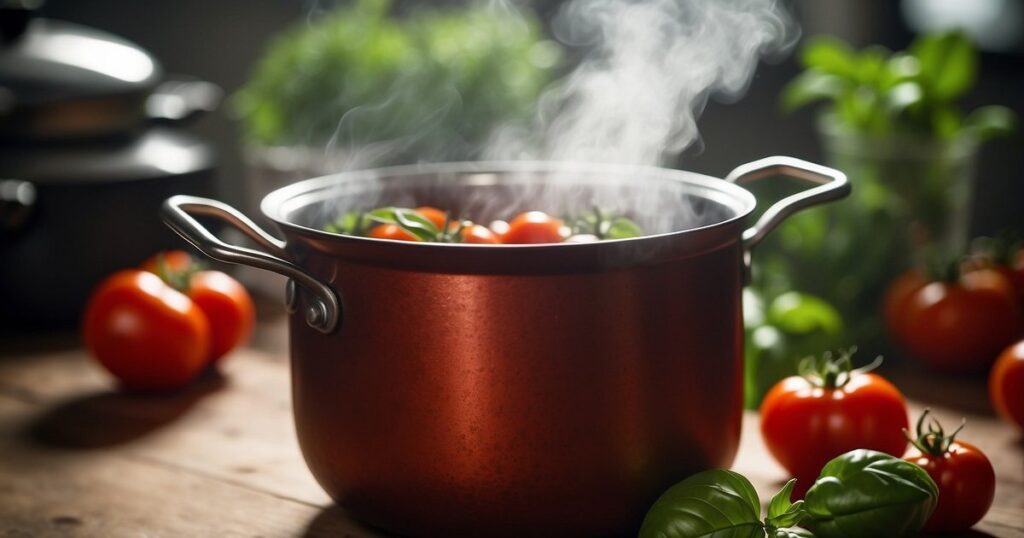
(636, 96)
(634, 99)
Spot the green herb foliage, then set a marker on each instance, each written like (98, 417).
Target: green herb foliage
(860, 493)
(434, 78)
(410, 220)
(878, 92)
(781, 332)
(604, 225)
(601, 224)
(868, 493)
(722, 504)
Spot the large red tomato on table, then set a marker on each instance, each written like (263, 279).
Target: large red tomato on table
(146, 333)
(957, 324)
(829, 410)
(964, 475)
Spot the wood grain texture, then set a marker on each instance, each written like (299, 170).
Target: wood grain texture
(78, 458)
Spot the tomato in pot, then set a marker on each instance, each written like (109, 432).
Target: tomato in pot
(478, 234)
(437, 217)
(391, 231)
(534, 227)
(960, 323)
(828, 410)
(964, 475)
(1006, 385)
(147, 334)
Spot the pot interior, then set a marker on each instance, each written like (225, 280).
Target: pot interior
(661, 201)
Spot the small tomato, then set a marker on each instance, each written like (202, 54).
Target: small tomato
(966, 479)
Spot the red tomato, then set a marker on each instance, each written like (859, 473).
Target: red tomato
(228, 309)
(1014, 272)
(960, 326)
(434, 215)
(224, 301)
(475, 233)
(391, 231)
(806, 421)
(1006, 384)
(172, 260)
(146, 333)
(500, 228)
(534, 227)
(897, 295)
(964, 475)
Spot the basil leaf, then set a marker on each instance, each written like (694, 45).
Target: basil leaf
(949, 63)
(622, 228)
(409, 220)
(780, 503)
(351, 223)
(991, 121)
(868, 493)
(717, 503)
(781, 512)
(830, 55)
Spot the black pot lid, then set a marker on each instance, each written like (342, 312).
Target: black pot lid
(54, 61)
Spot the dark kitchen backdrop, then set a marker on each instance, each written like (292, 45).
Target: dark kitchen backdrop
(220, 41)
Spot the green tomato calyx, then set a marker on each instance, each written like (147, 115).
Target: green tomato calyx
(931, 438)
(832, 372)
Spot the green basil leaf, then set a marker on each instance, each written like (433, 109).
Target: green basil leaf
(991, 121)
(716, 503)
(351, 223)
(830, 55)
(868, 493)
(408, 219)
(949, 63)
(811, 86)
(800, 313)
(780, 503)
(622, 228)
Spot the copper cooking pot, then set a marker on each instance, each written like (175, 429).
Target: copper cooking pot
(513, 390)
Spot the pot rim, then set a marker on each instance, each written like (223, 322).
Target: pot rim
(279, 204)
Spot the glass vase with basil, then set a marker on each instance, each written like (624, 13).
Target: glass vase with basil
(892, 122)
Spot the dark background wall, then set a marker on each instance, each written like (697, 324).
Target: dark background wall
(220, 40)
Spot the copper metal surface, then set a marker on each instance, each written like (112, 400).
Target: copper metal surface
(477, 390)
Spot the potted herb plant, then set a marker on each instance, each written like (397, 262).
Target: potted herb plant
(891, 121)
(360, 87)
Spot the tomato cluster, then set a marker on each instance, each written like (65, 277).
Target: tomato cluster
(528, 227)
(831, 409)
(157, 327)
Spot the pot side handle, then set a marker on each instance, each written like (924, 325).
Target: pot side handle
(830, 184)
(323, 312)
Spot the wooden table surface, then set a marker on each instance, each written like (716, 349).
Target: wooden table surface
(77, 458)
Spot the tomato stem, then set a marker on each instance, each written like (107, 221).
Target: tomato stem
(934, 440)
(832, 373)
(177, 279)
